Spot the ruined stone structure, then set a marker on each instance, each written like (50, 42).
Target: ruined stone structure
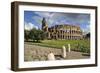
(62, 31)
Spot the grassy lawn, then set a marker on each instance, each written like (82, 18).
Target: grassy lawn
(77, 45)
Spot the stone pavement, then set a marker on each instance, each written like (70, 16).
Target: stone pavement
(39, 53)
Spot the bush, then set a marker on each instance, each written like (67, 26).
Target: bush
(82, 48)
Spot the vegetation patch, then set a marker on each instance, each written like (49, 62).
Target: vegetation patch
(76, 45)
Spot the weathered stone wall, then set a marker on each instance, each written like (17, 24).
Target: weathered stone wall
(33, 52)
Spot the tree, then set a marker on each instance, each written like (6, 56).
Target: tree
(36, 35)
(26, 35)
(87, 36)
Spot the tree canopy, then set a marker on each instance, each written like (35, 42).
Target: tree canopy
(34, 34)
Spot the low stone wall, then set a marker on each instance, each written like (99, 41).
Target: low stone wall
(39, 53)
(33, 52)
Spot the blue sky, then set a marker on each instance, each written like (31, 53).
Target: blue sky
(32, 19)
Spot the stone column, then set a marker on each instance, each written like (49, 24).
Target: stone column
(64, 51)
(69, 48)
(51, 56)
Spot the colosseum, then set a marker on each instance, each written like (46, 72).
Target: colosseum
(62, 31)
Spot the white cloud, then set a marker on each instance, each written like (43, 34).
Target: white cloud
(45, 14)
(86, 30)
(29, 26)
(37, 19)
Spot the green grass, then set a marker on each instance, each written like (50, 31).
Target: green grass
(76, 45)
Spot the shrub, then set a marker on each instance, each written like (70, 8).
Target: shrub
(82, 48)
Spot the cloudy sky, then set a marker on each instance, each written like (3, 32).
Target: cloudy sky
(33, 19)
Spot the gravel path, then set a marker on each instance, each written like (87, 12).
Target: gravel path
(39, 53)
